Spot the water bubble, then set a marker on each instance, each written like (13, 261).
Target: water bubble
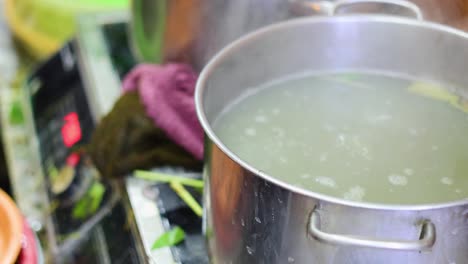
(458, 191)
(250, 132)
(355, 193)
(261, 119)
(446, 180)
(326, 181)
(323, 157)
(408, 171)
(398, 180)
(378, 118)
(413, 132)
(305, 176)
(341, 139)
(276, 111)
(434, 148)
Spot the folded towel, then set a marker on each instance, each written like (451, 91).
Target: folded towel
(167, 92)
(127, 139)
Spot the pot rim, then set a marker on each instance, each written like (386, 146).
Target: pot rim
(233, 46)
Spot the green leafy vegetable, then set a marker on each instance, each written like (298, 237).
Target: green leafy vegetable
(170, 238)
(16, 114)
(161, 177)
(90, 202)
(187, 197)
(438, 93)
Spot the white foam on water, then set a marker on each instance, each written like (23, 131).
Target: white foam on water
(261, 119)
(355, 193)
(326, 181)
(446, 180)
(413, 132)
(408, 171)
(323, 157)
(375, 119)
(398, 180)
(250, 132)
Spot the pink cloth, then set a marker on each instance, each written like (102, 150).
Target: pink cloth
(167, 93)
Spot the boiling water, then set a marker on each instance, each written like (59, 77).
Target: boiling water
(359, 136)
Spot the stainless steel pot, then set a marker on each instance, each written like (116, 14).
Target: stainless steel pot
(251, 217)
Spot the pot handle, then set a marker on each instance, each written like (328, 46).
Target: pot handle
(425, 242)
(413, 8)
(327, 7)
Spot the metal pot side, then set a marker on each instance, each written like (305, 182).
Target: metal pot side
(253, 218)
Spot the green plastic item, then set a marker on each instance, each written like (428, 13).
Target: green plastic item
(147, 27)
(43, 25)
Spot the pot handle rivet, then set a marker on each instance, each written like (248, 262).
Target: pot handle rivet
(426, 239)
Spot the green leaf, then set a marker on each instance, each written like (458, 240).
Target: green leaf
(90, 202)
(161, 177)
(170, 238)
(16, 114)
(79, 211)
(97, 193)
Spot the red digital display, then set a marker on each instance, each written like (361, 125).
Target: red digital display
(73, 160)
(71, 129)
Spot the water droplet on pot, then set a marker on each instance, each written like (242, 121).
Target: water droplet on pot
(290, 260)
(250, 250)
(258, 220)
(242, 222)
